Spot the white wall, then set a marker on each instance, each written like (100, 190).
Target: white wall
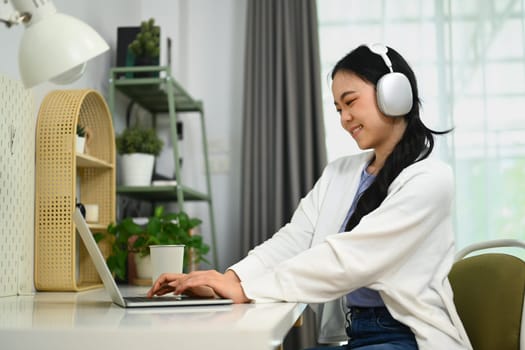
(208, 52)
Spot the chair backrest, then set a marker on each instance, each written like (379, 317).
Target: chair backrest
(489, 292)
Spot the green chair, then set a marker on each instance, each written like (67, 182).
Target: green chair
(489, 291)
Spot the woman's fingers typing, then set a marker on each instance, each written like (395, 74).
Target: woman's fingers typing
(164, 284)
(200, 283)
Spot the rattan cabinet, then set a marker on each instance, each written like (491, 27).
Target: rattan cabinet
(159, 93)
(64, 175)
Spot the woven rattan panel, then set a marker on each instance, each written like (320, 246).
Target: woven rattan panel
(61, 260)
(17, 151)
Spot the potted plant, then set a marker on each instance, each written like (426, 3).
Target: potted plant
(162, 228)
(138, 148)
(146, 46)
(80, 138)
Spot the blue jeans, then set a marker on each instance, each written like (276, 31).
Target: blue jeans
(375, 329)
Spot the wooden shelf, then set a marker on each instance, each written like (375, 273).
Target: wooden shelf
(98, 227)
(62, 262)
(87, 161)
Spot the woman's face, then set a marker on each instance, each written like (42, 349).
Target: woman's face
(355, 101)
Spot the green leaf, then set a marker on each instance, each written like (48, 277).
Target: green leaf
(194, 222)
(154, 226)
(99, 237)
(130, 228)
(140, 242)
(159, 211)
(171, 217)
(153, 241)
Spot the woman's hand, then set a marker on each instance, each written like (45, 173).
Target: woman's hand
(201, 283)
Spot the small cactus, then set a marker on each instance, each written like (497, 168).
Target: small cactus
(147, 41)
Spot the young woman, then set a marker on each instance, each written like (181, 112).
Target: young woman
(374, 236)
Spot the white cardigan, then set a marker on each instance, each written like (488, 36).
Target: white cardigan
(404, 249)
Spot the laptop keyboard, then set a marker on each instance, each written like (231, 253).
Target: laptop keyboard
(164, 298)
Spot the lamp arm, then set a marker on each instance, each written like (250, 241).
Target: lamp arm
(16, 18)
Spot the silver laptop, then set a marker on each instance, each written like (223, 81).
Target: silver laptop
(112, 288)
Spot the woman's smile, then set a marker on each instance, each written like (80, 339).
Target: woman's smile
(355, 130)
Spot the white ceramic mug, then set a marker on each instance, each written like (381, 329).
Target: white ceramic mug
(166, 258)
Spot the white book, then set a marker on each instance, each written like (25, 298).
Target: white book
(164, 183)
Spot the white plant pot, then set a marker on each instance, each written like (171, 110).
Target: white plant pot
(81, 142)
(137, 169)
(143, 266)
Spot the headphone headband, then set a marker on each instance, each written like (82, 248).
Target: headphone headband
(381, 50)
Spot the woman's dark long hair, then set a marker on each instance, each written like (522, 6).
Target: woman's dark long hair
(417, 141)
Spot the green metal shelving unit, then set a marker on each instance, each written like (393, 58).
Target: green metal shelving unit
(162, 94)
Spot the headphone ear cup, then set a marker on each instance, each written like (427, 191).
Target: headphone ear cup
(394, 94)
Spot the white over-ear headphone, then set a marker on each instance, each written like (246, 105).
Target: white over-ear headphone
(394, 93)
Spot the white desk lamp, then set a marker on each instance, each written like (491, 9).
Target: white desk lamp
(54, 46)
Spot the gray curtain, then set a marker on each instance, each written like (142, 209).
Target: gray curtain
(283, 135)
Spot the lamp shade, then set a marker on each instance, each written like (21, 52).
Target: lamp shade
(57, 48)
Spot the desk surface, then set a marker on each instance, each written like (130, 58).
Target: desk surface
(88, 320)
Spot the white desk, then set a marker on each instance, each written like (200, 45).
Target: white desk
(88, 320)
